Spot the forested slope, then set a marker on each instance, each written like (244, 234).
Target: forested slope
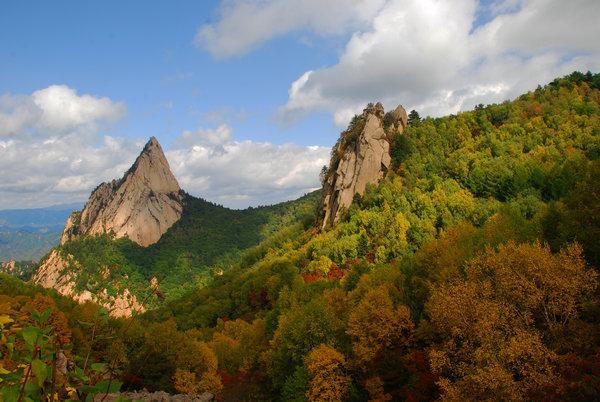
(477, 222)
(206, 239)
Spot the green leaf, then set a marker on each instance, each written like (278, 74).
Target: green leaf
(110, 387)
(41, 317)
(35, 316)
(80, 374)
(10, 394)
(30, 335)
(99, 367)
(46, 315)
(40, 370)
(10, 345)
(32, 390)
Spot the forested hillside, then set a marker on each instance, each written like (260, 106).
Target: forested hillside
(468, 273)
(203, 243)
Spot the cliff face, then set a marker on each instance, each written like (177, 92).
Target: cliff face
(142, 205)
(360, 157)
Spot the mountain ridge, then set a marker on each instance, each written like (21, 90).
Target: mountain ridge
(469, 272)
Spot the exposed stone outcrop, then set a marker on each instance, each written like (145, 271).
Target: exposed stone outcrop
(8, 267)
(142, 205)
(398, 119)
(360, 157)
(59, 274)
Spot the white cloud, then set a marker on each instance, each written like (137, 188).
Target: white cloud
(429, 55)
(212, 164)
(45, 172)
(62, 109)
(212, 138)
(51, 151)
(246, 24)
(56, 110)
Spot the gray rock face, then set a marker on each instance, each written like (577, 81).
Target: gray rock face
(142, 205)
(360, 157)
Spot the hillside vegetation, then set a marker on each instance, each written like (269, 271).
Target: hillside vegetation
(203, 242)
(466, 274)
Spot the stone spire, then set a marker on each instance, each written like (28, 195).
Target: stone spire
(142, 205)
(360, 157)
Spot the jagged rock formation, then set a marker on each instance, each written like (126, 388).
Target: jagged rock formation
(59, 273)
(142, 205)
(360, 157)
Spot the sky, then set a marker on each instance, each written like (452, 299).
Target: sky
(247, 97)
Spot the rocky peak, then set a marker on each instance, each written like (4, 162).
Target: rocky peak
(360, 157)
(142, 205)
(399, 118)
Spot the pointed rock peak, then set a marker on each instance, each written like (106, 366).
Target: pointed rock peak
(153, 166)
(152, 146)
(399, 117)
(142, 205)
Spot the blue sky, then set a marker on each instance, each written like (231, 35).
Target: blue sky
(248, 96)
(142, 53)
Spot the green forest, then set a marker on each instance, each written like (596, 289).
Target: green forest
(205, 241)
(468, 273)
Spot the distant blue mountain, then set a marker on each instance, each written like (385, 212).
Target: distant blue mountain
(28, 234)
(42, 220)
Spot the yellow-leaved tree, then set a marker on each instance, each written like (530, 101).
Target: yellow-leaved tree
(329, 381)
(376, 325)
(497, 323)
